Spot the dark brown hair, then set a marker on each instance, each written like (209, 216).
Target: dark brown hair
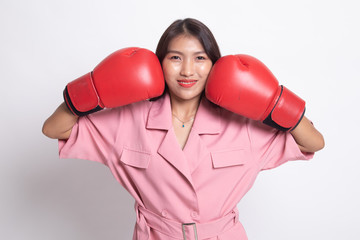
(193, 28)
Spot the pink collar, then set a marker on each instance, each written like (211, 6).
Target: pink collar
(207, 119)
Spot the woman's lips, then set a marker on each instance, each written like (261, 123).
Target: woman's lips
(188, 83)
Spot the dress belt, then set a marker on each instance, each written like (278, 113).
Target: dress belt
(188, 231)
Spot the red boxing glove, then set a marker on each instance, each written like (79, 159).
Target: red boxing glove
(126, 76)
(244, 85)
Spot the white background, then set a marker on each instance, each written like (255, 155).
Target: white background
(311, 46)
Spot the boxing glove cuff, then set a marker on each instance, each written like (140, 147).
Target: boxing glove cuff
(287, 112)
(81, 97)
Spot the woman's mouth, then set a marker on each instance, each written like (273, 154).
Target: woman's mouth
(187, 83)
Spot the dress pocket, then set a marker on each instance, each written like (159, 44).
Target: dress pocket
(135, 158)
(229, 157)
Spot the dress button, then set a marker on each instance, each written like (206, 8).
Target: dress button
(194, 214)
(164, 213)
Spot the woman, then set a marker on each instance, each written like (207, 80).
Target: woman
(186, 161)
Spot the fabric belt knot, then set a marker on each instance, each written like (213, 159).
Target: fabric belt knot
(189, 231)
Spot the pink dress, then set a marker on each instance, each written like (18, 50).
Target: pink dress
(189, 193)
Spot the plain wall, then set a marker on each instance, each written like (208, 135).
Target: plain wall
(311, 46)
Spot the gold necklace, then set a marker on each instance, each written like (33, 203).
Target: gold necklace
(183, 122)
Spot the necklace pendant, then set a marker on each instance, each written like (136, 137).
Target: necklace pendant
(183, 125)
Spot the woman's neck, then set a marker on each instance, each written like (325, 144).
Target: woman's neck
(184, 109)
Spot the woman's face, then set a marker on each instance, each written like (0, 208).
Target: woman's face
(186, 67)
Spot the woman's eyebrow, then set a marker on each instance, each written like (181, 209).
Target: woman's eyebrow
(174, 51)
(178, 52)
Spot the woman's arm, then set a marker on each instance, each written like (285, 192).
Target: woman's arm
(60, 123)
(307, 137)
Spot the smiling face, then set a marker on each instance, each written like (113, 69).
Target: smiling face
(186, 67)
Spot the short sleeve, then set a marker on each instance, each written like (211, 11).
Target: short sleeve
(92, 137)
(273, 148)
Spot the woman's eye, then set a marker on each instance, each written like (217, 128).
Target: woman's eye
(201, 58)
(175, 57)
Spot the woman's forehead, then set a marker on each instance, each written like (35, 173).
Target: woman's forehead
(187, 43)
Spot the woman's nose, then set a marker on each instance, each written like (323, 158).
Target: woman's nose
(187, 68)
